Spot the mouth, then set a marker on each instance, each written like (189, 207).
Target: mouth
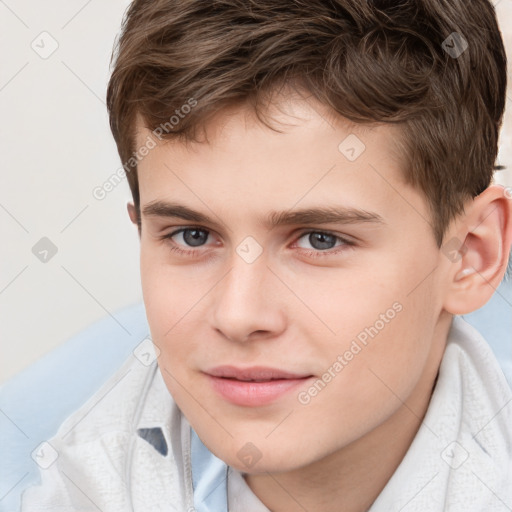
(254, 373)
(255, 386)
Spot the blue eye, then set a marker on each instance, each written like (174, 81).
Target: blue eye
(322, 242)
(194, 237)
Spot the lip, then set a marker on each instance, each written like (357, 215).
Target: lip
(253, 373)
(254, 386)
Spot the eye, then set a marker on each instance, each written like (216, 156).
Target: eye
(193, 237)
(187, 241)
(322, 243)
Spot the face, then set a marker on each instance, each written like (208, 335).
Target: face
(288, 283)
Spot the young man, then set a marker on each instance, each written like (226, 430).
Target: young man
(312, 184)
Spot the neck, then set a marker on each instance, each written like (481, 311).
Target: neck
(351, 478)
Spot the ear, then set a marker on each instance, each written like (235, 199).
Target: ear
(132, 212)
(479, 251)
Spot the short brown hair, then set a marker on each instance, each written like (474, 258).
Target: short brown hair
(437, 68)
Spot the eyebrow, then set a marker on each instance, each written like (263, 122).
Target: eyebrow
(318, 215)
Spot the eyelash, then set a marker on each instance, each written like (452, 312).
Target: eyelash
(347, 244)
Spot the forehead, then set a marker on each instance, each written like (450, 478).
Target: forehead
(318, 157)
(288, 110)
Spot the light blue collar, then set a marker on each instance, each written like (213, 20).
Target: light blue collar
(209, 478)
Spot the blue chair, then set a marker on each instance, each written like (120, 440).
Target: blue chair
(35, 402)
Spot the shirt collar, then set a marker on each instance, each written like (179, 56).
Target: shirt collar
(160, 419)
(464, 445)
(155, 418)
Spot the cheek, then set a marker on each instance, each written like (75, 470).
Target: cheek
(371, 381)
(177, 300)
(167, 294)
(396, 353)
(384, 337)
(169, 307)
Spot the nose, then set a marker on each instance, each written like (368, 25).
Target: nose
(246, 302)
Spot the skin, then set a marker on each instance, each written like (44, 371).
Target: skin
(293, 311)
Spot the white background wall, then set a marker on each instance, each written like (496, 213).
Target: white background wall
(56, 147)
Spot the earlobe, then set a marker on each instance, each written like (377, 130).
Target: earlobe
(482, 257)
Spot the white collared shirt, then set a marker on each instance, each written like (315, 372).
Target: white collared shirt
(128, 447)
(240, 496)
